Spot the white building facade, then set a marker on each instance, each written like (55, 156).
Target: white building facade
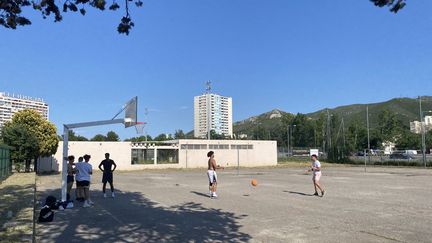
(416, 126)
(11, 104)
(212, 112)
(183, 153)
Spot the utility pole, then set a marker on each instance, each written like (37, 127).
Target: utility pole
(368, 133)
(423, 132)
(288, 142)
(329, 144)
(343, 133)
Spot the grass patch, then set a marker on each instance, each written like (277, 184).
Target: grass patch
(16, 207)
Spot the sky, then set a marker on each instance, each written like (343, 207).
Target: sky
(297, 56)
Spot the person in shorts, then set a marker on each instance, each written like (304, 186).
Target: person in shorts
(316, 175)
(211, 173)
(106, 167)
(83, 178)
(70, 176)
(79, 191)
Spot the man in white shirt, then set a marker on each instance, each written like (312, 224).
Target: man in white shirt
(316, 170)
(83, 178)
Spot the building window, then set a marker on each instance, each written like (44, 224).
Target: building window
(241, 146)
(167, 156)
(142, 156)
(193, 146)
(218, 146)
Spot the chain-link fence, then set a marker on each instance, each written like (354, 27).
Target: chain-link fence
(373, 158)
(5, 162)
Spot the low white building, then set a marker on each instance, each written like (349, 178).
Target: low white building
(172, 154)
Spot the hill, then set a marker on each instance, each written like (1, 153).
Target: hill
(406, 109)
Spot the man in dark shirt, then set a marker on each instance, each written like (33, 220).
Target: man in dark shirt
(105, 166)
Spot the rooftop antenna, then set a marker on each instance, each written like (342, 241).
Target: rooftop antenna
(208, 89)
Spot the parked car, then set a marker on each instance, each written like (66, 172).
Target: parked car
(401, 156)
(360, 153)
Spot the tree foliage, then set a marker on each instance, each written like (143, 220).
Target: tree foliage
(393, 5)
(112, 136)
(11, 11)
(28, 129)
(179, 134)
(99, 138)
(73, 137)
(25, 144)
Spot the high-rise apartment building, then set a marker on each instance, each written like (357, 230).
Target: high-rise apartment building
(10, 104)
(212, 112)
(416, 126)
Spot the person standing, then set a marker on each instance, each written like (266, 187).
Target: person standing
(83, 178)
(106, 167)
(79, 192)
(211, 173)
(316, 171)
(70, 176)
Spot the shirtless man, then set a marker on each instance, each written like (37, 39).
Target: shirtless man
(211, 173)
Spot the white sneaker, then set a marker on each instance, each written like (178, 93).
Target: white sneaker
(105, 195)
(86, 205)
(90, 202)
(214, 195)
(112, 194)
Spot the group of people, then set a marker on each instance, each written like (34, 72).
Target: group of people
(81, 173)
(212, 176)
(83, 170)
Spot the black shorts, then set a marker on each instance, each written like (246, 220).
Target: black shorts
(70, 179)
(107, 177)
(82, 183)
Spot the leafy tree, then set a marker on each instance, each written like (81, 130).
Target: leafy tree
(394, 5)
(73, 137)
(25, 144)
(390, 128)
(260, 133)
(214, 135)
(11, 11)
(429, 141)
(161, 137)
(112, 136)
(99, 138)
(409, 140)
(139, 139)
(179, 134)
(40, 129)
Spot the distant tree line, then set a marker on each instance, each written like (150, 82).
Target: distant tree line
(331, 134)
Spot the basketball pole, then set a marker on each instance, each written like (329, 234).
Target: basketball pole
(66, 129)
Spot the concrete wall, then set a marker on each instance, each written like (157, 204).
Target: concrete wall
(263, 153)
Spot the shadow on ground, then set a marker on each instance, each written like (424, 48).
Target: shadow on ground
(300, 193)
(131, 217)
(16, 209)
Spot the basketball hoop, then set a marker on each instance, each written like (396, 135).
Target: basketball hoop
(139, 127)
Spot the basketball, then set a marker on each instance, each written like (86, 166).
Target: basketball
(254, 182)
